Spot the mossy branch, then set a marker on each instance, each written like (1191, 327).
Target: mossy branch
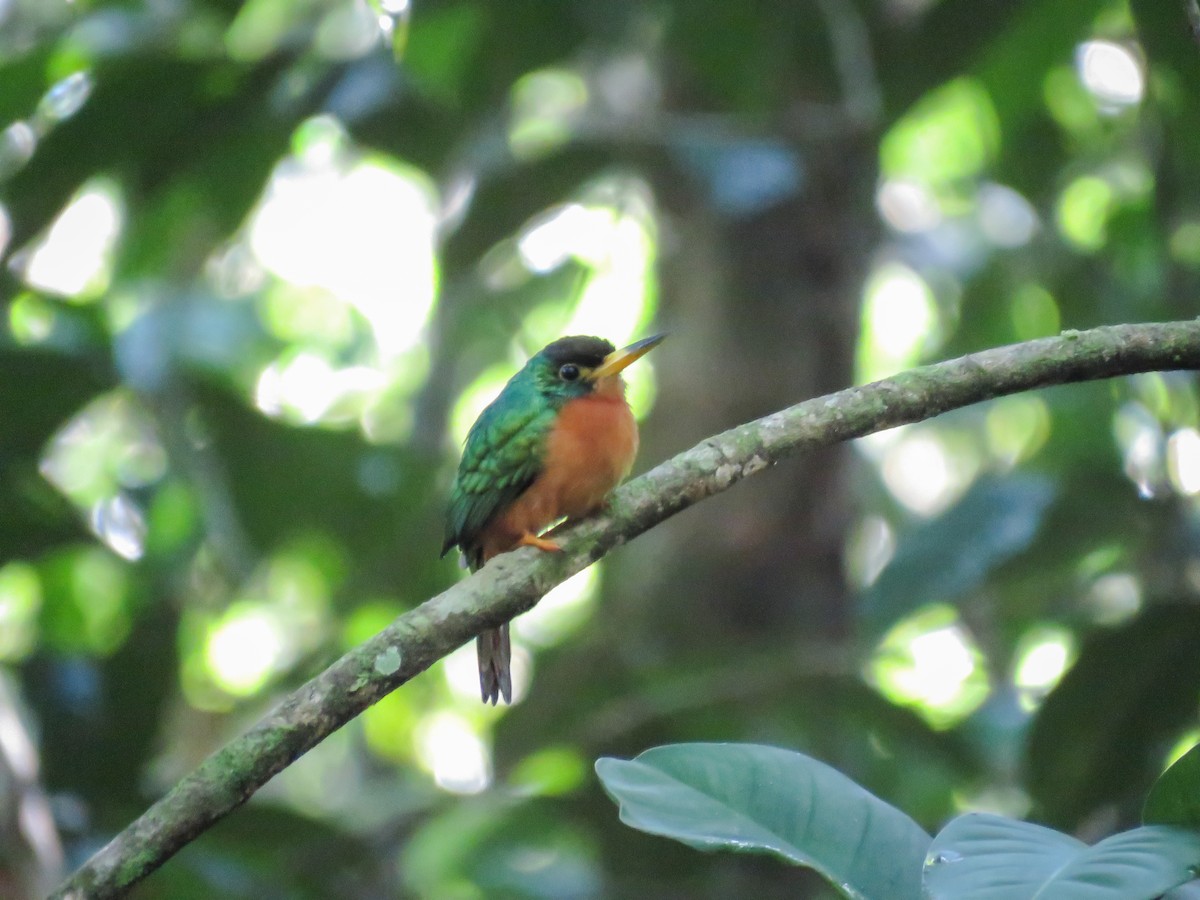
(512, 583)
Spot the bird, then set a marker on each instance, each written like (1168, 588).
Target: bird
(554, 443)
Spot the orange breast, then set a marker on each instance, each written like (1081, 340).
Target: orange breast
(590, 449)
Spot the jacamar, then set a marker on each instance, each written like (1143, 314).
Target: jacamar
(553, 444)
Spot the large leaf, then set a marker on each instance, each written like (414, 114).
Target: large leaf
(1099, 736)
(1175, 797)
(987, 857)
(940, 560)
(762, 799)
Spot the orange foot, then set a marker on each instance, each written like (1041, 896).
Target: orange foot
(532, 540)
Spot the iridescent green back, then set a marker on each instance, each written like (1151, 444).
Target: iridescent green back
(502, 457)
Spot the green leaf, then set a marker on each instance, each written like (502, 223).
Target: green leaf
(762, 799)
(987, 857)
(1175, 797)
(940, 560)
(1098, 738)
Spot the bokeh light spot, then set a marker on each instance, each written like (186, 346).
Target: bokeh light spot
(361, 228)
(74, 258)
(899, 322)
(1111, 73)
(545, 106)
(907, 206)
(929, 662)
(924, 469)
(1034, 313)
(1183, 460)
(244, 649)
(454, 752)
(1017, 427)
(950, 134)
(1042, 658)
(1083, 210)
(20, 603)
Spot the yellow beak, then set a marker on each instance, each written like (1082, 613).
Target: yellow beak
(619, 359)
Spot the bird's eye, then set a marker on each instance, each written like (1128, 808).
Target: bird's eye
(569, 372)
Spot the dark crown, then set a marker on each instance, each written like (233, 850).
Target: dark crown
(580, 349)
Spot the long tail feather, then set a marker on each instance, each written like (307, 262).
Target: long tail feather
(494, 650)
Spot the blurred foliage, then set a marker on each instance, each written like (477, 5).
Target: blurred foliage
(263, 263)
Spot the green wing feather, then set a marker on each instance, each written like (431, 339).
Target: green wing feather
(502, 457)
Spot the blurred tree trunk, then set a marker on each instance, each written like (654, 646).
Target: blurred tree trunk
(766, 558)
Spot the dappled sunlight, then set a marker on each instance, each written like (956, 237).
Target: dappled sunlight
(359, 227)
(461, 670)
(562, 610)
(106, 450)
(572, 229)
(306, 389)
(388, 725)
(1111, 73)
(610, 230)
(613, 301)
(924, 467)
(85, 605)
(18, 142)
(908, 206)
(326, 781)
(20, 604)
(245, 648)
(350, 238)
(279, 614)
(31, 319)
(1034, 313)
(951, 134)
(269, 261)
(451, 749)
(5, 229)
(930, 662)
(1016, 428)
(75, 257)
(1168, 396)
(1083, 211)
(119, 522)
(869, 548)
(550, 772)
(1042, 657)
(1006, 218)
(340, 31)
(1183, 461)
(1088, 202)
(1143, 448)
(1114, 598)
(899, 322)
(62, 100)
(545, 107)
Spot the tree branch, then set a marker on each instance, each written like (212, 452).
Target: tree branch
(513, 582)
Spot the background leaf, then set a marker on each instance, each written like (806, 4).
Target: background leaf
(1175, 797)
(1103, 731)
(940, 560)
